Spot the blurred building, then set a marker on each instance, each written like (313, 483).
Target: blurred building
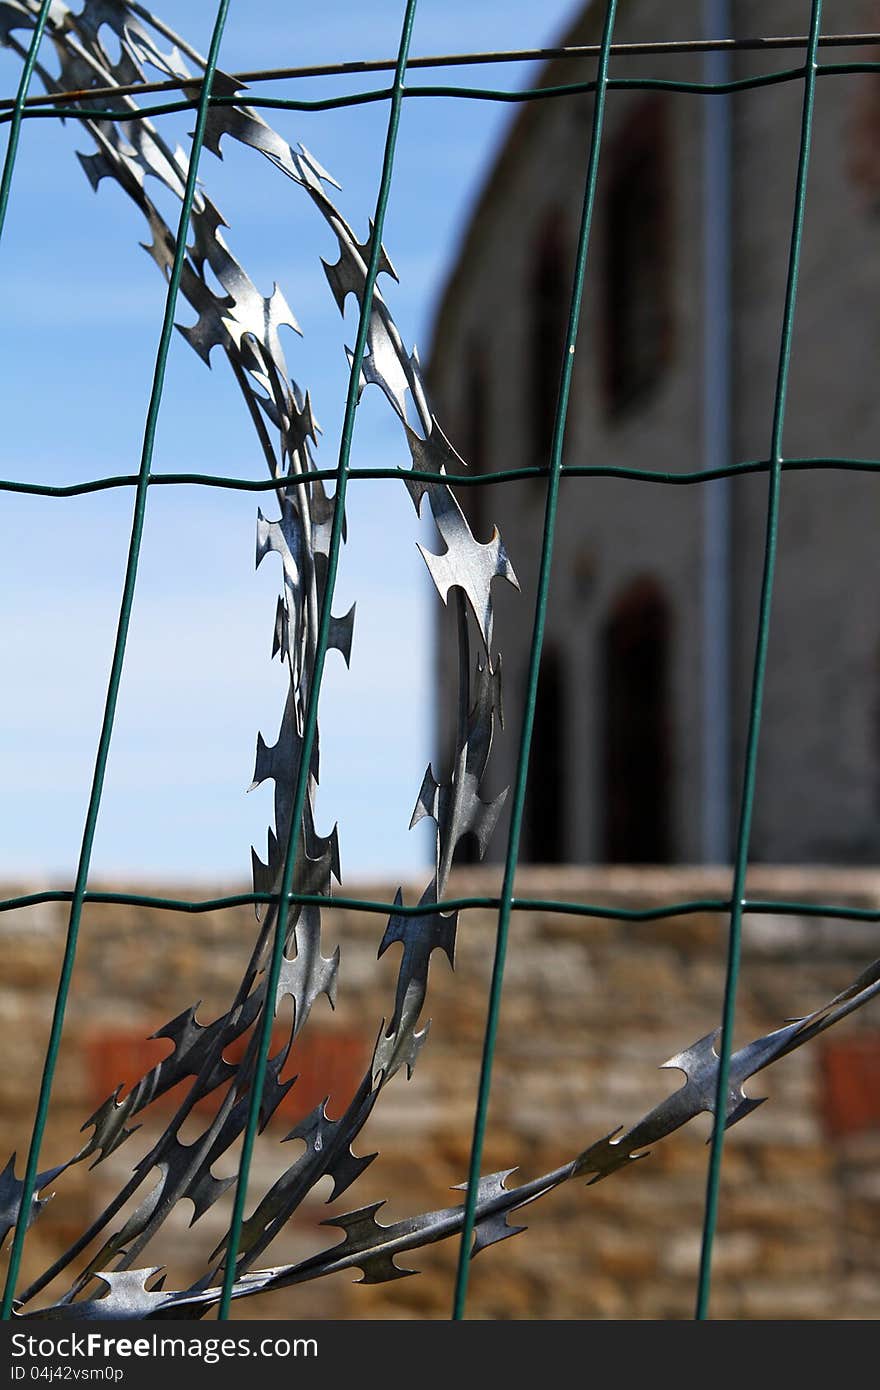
(647, 666)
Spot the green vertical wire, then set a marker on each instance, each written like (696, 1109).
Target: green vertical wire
(115, 671)
(516, 814)
(311, 714)
(27, 73)
(713, 1182)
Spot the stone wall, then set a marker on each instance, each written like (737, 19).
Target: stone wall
(591, 1008)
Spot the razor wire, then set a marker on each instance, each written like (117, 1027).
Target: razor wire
(294, 884)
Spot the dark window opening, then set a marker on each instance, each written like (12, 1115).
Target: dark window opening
(550, 299)
(863, 145)
(637, 253)
(546, 791)
(636, 734)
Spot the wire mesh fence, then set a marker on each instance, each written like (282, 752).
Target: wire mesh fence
(101, 106)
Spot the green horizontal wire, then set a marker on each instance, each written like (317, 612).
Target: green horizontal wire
(63, 990)
(19, 111)
(500, 94)
(562, 906)
(541, 598)
(372, 905)
(734, 947)
(360, 67)
(505, 475)
(310, 720)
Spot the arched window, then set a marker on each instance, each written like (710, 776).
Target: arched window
(636, 753)
(637, 273)
(546, 791)
(550, 298)
(863, 150)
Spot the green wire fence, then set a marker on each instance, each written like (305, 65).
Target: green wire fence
(25, 107)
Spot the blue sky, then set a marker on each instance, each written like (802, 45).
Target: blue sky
(82, 311)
